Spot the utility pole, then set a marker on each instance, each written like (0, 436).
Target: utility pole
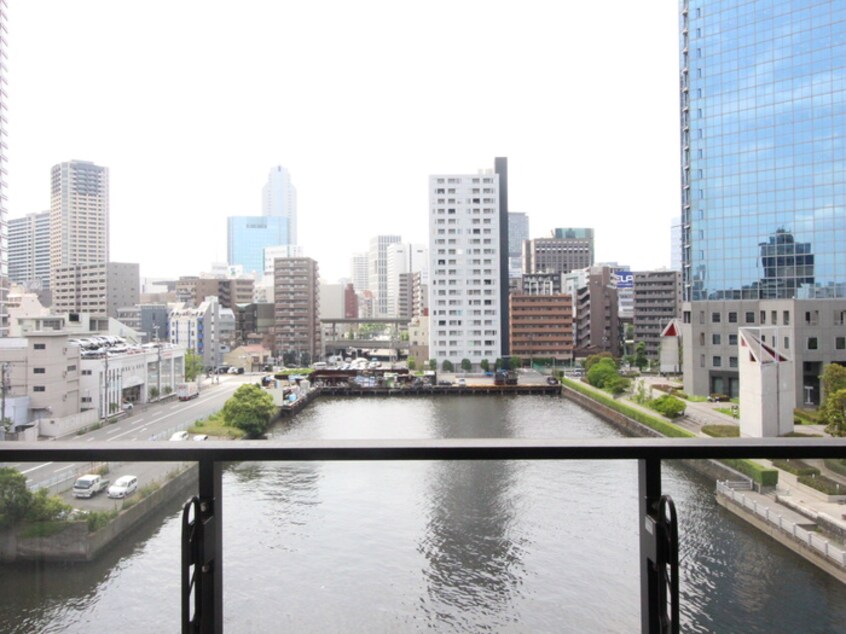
(4, 374)
(159, 367)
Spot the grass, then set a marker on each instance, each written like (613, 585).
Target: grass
(214, 426)
(721, 431)
(796, 467)
(806, 417)
(836, 465)
(728, 411)
(43, 529)
(695, 398)
(764, 476)
(821, 483)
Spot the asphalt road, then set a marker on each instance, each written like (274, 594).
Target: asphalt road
(156, 421)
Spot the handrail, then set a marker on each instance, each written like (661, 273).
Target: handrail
(202, 559)
(430, 449)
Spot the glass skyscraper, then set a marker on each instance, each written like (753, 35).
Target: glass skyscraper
(763, 142)
(247, 237)
(763, 120)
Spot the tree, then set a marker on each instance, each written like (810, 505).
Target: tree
(45, 507)
(447, 366)
(596, 358)
(602, 372)
(249, 409)
(836, 413)
(485, 365)
(193, 365)
(640, 359)
(498, 364)
(466, 365)
(154, 393)
(15, 498)
(516, 362)
(833, 379)
(433, 364)
(412, 363)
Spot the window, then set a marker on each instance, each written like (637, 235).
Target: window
(732, 362)
(38, 370)
(701, 360)
(717, 362)
(732, 318)
(787, 343)
(774, 317)
(763, 317)
(732, 340)
(715, 318)
(40, 346)
(715, 339)
(813, 344)
(840, 343)
(785, 317)
(749, 318)
(38, 388)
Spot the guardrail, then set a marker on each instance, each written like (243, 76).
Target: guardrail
(789, 528)
(202, 555)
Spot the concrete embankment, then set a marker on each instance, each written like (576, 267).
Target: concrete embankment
(75, 543)
(708, 468)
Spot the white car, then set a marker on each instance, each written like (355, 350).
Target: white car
(201, 437)
(179, 435)
(123, 487)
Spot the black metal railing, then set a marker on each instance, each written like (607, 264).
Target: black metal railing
(202, 558)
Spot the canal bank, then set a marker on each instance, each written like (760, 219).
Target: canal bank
(76, 544)
(786, 511)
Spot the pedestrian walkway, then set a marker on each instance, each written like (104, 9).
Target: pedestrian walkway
(797, 512)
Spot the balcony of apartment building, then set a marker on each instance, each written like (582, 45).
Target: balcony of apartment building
(203, 557)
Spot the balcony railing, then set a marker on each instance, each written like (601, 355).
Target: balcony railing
(202, 554)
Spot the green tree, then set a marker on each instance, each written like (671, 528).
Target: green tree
(433, 364)
(466, 365)
(154, 393)
(45, 507)
(596, 358)
(193, 365)
(640, 359)
(15, 498)
(485, 365)
(835, 406)
(669, 406)
(249, 409)
(447, 366)
(601, 372)
(412, 363)
(498, 364)
(516, 362)
(833, 379)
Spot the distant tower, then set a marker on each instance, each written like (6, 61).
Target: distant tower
(279, 198)
(4, 256)
(79, 215)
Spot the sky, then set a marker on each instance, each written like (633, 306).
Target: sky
(190, 103)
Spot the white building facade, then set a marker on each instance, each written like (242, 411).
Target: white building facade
(464, 268)
(279, 198)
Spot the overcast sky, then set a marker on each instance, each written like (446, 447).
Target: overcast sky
(189, 103)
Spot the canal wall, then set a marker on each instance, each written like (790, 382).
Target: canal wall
(708, 468)
(75, 543)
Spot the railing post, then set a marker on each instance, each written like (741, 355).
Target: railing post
(202, 555)
(659, 591)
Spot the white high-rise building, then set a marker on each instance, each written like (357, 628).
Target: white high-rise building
(79, 215)
(4, 256)
(279, 198)
(358, 272)
(676, 243)
(29, 250)
(404, 258)
(465, 303)
(377, 272)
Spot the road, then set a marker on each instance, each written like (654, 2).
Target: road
(155, 421)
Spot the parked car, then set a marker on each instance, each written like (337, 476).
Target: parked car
(551, 380)
(179, 435)
(200, 437)
(718, 398)
(462, 382)
(123, 487)
(89, 485)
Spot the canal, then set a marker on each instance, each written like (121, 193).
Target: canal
(449, 547)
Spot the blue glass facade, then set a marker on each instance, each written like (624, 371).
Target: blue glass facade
(763, 126)
(247, 236)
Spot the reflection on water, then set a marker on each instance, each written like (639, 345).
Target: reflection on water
(520, 546)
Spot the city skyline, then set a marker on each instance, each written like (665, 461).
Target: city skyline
(185, 150)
